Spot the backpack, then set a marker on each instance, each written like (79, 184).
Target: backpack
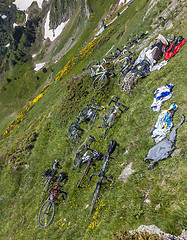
(174, 48)
(141, 69)
(157, 50)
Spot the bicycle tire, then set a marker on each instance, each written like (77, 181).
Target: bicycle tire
(121, 62)
(70, 129)
(82, 114)
(92, 121)
(45, 189)
(108, 127)
(92, 68)
(78, 155)
(95, 196)
(99, 82)
(73, 142)
(122, 76)
(45, 218)
(84, 173)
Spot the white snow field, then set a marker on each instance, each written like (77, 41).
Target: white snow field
(52, 34)
(24, 4)
(39, 66)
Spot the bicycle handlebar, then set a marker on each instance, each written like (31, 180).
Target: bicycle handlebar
(56, 165)
(116, 102)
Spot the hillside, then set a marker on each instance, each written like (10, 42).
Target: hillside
(38, 104)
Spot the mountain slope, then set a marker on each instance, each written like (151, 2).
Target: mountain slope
(56, 99)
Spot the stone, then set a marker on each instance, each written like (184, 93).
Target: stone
(126, 173)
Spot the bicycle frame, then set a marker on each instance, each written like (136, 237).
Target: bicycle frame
(110, 116)
(49, 178)
(47, 210)
(91, 112)
(86, 158)
(101, 174)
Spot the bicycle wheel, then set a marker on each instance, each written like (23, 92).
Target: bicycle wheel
(92, 121)
(122, 76)
(46, 213)
(83, 114)
(109, 126)
(92, 68)
(45, 189)
(95, 195)
(121, 62)
(70, 129)
(78, 155)
(99, 82)
(73, 142)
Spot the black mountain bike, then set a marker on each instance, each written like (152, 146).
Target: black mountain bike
(108, 119)
(85, 155)
(89, 113)
(48, 176)
(136, 39)
(101, 174)
(47, 210)
(73, 134)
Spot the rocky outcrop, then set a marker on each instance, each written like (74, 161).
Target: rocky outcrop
(152, 229)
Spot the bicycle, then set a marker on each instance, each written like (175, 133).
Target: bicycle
(96, 70)
(49, 174)
(117, 52)
(85, 155)
(108, 119)
(131, 43)
(73, 134)
(124, 59)
(47, 210)
(125, 69)
(101, 175)
(89, 113)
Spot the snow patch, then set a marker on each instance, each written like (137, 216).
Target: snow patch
(39, 66)
(24, 4)
(4, 16)
(123, 1)
(52, 34)
(26, 17)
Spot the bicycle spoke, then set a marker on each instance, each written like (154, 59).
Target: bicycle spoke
(92, 68)
(92, 121)
(99, 82)
(95, 196)
(121, 62)
(46, 214)
(79, 154)
(73, 142)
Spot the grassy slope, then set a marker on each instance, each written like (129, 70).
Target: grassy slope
(124, 206)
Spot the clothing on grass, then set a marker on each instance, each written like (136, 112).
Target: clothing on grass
(164, 124)
(163, 149)
(147, 58)
(160, 95)
(159, 66)
(174, 48)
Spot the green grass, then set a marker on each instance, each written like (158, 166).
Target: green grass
(123, 206)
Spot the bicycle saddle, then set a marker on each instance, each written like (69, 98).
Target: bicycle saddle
(47, 173)
(111, 147)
